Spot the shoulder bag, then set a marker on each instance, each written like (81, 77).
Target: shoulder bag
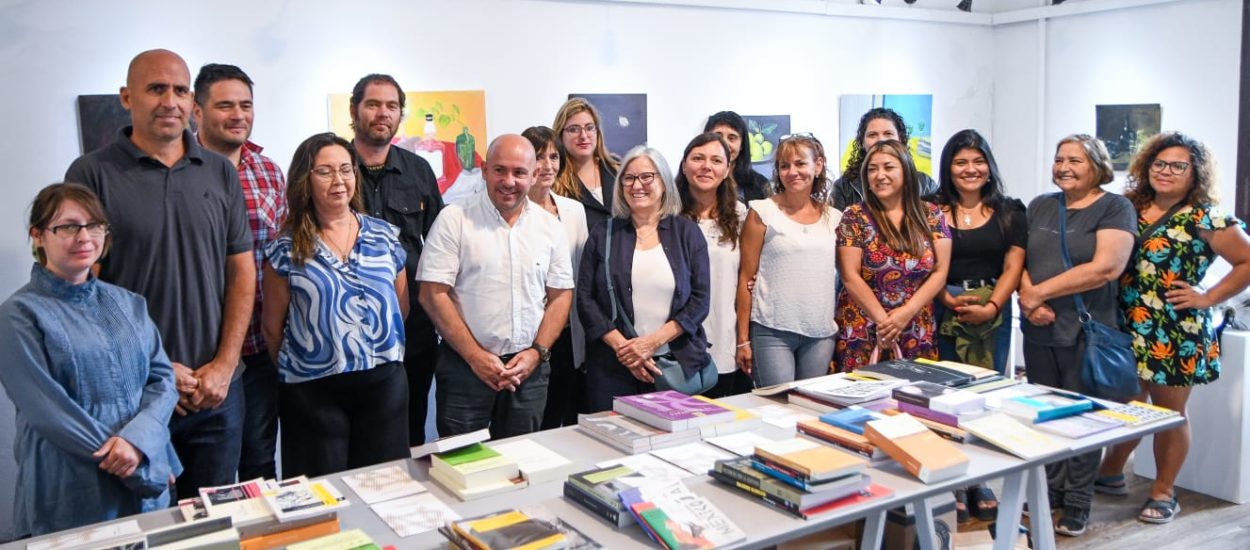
(671, 377)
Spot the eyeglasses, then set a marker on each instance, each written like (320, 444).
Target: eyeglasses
(644, 178)
(801, 135)
(94, 229)
(575, 130)
(1177, 167)
(326, 173)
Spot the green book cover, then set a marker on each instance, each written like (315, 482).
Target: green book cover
(471, 453)
(657, 520)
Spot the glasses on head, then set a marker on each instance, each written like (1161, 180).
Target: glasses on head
(644, 178)
(94, 229)
(575, 130)
(326, 173)
(1177, 167)
(801, 135)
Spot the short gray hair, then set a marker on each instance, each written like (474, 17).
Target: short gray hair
(671, 204)
(1096, 152)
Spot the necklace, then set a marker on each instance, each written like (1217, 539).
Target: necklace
(966, 214)
(342, 252)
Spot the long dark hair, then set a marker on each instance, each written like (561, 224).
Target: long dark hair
(726, 208)
(991, 193)
(913, 234)
(1202, 193)
(858, 155)
(301, 220)
(742, 171)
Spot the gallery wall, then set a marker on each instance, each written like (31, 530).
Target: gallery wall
(529, 54)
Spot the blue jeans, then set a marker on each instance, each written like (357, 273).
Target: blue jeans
(208, 443)
(260, 418)
(779, 356)
(1002, 335)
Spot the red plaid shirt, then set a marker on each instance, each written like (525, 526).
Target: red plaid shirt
(264, 190)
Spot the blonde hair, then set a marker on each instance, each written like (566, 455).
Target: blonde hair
(566, 179)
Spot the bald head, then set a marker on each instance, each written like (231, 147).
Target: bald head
(158, 95)
(509, 141)
(159, 58)
(509, 172)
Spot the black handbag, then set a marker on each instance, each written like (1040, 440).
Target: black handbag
(1109, 367)
(672, 376)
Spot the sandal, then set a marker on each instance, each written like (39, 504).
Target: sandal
(980, 498)
(1167, 510)
(961, 506)
(1111, 485)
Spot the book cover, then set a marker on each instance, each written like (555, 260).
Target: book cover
(1136, 413)
(842, 438)
(813, 460)
(474, 465)
(345, 540)
(919, 393)
(298, 497)
(1081, 425)
(851, 419)
(1008, 434)
(414, 514)
(741, 444)
(670, 410)
(681, 518)
(382, 484)
(510, 529)
(696, 458)
(921, 452)
(1040, 408)
(451, 442)
(842, 390)
(538, 464)
(743, 420)
(904, 369)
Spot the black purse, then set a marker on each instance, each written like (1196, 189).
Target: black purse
(672, 376)
(1109, 367)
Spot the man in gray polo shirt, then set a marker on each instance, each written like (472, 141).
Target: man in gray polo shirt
(180, 239)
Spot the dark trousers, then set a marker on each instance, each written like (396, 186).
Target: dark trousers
(566, 392)
(419, 364)
(466, 404)
(607, 378)
(1071, 481)
(344, 421)
(730, 383)
(260, 418)
(208, 443)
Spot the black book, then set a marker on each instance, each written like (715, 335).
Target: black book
(903, 369)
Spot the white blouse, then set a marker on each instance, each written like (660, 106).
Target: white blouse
(721, 323)
(653, 282)
(795, 289)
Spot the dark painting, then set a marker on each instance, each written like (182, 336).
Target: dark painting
(624, 119)
(1125, 127)
(99, 117)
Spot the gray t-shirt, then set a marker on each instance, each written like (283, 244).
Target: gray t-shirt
(172, 229)
(1045, 260)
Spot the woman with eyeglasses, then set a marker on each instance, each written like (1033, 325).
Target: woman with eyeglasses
(658, 269)
(336, 295)
(90, 382)
(1100, 229)
(785, 324)
(731, 127)
(1171, 185)
(894, 250)
(588, 170)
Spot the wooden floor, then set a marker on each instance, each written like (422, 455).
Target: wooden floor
(1203, 523)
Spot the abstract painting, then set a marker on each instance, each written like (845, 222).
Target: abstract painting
(1125, 127)
(763, 134)
(917, 113)
(99, 118)
(624, 119)
(447, 129)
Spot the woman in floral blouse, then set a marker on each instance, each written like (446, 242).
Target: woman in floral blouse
(1182, 231)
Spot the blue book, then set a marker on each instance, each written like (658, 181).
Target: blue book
(851, 419)
(1040, 408)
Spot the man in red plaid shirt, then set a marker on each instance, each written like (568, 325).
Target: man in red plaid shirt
(223, 114)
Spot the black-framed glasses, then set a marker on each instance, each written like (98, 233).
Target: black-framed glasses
(642, 177)
(575, 130)
(1176, 167)
(94, 229)
(326, 173)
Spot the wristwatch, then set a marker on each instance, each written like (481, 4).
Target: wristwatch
(544, 354)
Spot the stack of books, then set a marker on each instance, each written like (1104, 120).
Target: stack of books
(672, 411)
(598, 489)
(1040, 408)
(537, 463)
(631, 436)
(917, 371)
(475, 471)
(677, 519)
(743, 420)
(939, 403)
(270, 514)
(920, 451)
(531, 528)
(838, 391)
(841, 438)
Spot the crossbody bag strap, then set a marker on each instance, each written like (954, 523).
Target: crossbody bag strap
(1081, 311)
(617, 309)
(1145, 234)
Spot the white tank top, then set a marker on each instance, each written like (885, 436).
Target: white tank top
(653, 283)
(795, 289)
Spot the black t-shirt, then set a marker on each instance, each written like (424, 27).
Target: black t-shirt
(978, 253)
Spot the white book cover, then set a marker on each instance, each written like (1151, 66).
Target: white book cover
(898, 426)
(787, 446)
(741, 444)
(414, 514)
(88, 538)
(692, 515)
(242, 501)
(696, 458)
(382, 484)
(297, 498)
(448, 443)
(958, 402)
(537, 463)
(781, 416)
(647, 470)
(1012, 436)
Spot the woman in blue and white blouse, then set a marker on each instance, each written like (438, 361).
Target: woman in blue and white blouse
(335, 300)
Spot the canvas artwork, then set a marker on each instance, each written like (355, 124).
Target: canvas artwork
(447, 129)
(763, 134)
(917, 113)
(99, 118)
(624, 119)
(1123, 128)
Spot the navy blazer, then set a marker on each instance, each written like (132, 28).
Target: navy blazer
(686, 250)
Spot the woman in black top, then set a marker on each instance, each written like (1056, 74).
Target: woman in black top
(732, 128)
(586, 169)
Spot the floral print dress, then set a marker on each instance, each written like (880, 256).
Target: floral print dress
(1173, 348)
(894, 277)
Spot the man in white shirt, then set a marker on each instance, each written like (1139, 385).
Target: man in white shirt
(497, 281)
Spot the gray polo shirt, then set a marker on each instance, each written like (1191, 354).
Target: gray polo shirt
(172, 229)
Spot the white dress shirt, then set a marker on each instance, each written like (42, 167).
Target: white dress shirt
(573, 218)
(499, 274)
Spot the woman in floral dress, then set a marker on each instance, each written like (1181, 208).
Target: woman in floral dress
(899, 245)
(1170, 184)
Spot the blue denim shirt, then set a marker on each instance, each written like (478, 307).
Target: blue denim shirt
(686, 250)
(84, 363)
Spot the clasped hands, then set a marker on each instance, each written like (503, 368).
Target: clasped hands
(890, 328)
(970, 310)
(636, 354)
(201, 389)
(499, 376)
(118, 457)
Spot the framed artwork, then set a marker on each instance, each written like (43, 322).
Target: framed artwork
(99, 118)
(1123, 128)
(763, 134)
(917, 113)
(624, 119)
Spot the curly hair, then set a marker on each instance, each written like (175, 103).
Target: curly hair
(1201, 163)
(856, 160)
(726, 207)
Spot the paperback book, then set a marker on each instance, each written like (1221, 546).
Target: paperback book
(921, 452)
(528, 527)
(678, 519)
(629, 435)
(298, 498)
(1009, 434)
(810, 460)
(1081, 425)
(670, 410)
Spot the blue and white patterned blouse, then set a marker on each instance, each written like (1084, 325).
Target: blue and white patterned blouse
(343, 317)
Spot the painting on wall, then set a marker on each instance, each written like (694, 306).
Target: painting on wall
(99, 118)
(917, 113)
(1125, 127)
(447, 129)
(763, 133)
(624, 119)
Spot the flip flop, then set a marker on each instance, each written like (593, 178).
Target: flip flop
(1111, 485)
(961, 512)
(1168, 509)
(982, 495)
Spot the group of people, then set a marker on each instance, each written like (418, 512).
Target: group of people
(186, 296)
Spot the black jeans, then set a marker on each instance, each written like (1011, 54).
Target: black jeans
(260, 418)
(566, 392)
(208, 443)
(607, 378)
(730, 383)
(344, 421)
(1071, 481)
(466, 404)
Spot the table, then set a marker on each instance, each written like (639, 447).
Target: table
(763, 525)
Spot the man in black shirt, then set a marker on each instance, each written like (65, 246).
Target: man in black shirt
(398, 186)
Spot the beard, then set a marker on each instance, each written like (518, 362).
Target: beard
(374, 137)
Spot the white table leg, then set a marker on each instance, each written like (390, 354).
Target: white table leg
(874, 531)
(1010, 504)
(924, 525)
(1043, 530)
